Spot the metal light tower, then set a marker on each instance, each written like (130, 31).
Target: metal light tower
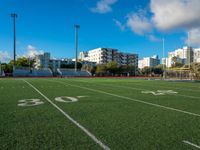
(14, 16)
(189, 50)
(77, 27)
(163, 45)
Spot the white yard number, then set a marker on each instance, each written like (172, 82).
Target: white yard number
(160, 92)
(35, 102)
(30, 102)
(66, 99)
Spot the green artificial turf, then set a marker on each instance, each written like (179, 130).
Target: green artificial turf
(115, 111)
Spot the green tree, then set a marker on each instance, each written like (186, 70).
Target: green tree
(93, 70)
(7, 68)
(112, 67)
(131, 69)
(22, 62)
(179, 65)
(195, 67)
(101, 69)
(147, 71)
(87, 67)
(174, 60)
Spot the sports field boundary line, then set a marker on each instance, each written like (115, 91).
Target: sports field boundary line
(176, 88)
(191, 144)
(92, 136)
(132, 99)
(138, 89)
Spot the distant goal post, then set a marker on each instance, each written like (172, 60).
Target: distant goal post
(179, 74)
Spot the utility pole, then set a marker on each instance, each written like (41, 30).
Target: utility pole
(163, 47)
(189, 50)
(77, 27)
(14, 16)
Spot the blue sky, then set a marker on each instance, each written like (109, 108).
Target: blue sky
(128, 25)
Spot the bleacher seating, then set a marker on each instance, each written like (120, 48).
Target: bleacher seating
(42, 73)
(21, 72)
(73, 73)
(24, 72)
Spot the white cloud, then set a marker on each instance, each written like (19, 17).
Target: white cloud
(119, 24)
(4, 56)
(103, 6)
(139, 23)
(175, 14)
(154, 39)
(194, 37)
(31, 51)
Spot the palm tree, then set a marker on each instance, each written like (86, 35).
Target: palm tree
(174, 59)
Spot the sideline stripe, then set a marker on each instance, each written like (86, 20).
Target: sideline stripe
(132, 99)
(139, 89)
(189, 143)
(101, 144)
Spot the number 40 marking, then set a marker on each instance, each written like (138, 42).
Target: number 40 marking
(35, 102)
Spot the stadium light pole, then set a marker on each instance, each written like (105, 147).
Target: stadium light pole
(189, 49)
(163, 48)
(77, 27)
(14, 16)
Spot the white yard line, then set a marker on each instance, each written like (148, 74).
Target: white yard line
(187, 96)
(188, 89)
(132, 99)
(92, 136)
(147, 85)
(141, 89)
(191, 144)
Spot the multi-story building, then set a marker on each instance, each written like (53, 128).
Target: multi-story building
(183, 56)
(42, 61)
(197, 55)
(106, 55)
(102, 55)
(149, 62)
(83, 56)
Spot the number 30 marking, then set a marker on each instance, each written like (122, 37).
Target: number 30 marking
(35, 102)
(66, 99)
(30, 102)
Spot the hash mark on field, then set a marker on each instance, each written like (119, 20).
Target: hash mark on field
(191, 144)
(132, 99)
(141, 89)
(160, 92)
(81, 96)
(97, 141)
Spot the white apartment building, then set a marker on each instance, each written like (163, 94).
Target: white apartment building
(184, 56)
(42, 61)
(101, 55)
(106, 55)
(149, 62)
(197, 55)
(83, 56)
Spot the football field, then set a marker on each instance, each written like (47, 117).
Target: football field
(99, 113)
